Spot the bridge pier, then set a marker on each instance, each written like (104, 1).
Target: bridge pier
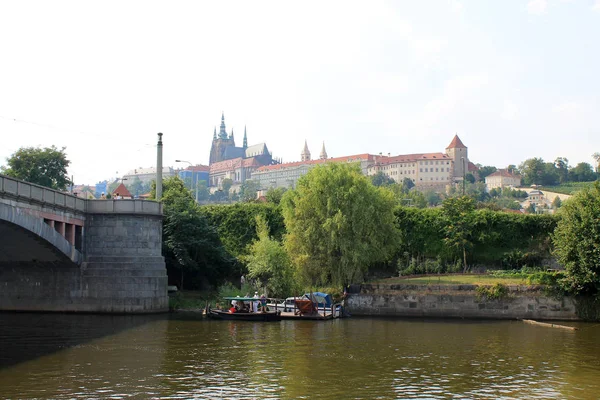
(62, 253)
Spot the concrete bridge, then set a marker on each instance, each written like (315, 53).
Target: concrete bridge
(62, 253)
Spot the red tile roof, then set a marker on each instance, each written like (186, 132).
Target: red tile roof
(122, 191)
(456, 143)
(504, 173)
(354, 158)
(411, 158)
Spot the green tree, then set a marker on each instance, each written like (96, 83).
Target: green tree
(582, 172)
(532, 171)
(226, 185)
(46, 167)
(485, 171)
(338, 224)
(556, 203)
(274, 195)
(458, 215)
(577, 241)
(470, 178)
(269, 263)
(562, 166)
(248, 190)
(381, 179)
(407, 184)
(192, 249)
(203, 193)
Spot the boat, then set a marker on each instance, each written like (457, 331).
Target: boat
(315, 306)
(243, 311)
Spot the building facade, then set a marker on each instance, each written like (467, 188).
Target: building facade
(147, 175)
(501, 179)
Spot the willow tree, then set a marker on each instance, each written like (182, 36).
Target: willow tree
(577, 241)
(338, 224)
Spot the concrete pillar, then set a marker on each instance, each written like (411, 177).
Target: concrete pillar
(50, 222)
(70, 233)
(59, 227)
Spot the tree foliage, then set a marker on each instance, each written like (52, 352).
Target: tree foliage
(236, 223)
(577, 241)
(338, 224)
(381, 179)
(269, 263)
(459, 220)
(46, 167)
(193, 252)
(274, 195)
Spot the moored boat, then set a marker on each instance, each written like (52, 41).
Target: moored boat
(242, 310)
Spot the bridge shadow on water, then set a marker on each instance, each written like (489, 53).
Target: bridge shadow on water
(27, 336)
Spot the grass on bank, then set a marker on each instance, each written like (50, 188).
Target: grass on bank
(567, 188)
(515, 277)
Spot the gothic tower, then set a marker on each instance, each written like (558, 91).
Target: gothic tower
(305, 155)
(458, 152)
(220, 142)
(323, 155)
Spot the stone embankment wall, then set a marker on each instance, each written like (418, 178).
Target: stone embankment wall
(457, 301)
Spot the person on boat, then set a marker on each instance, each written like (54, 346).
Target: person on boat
(255, 303)
(263, 303)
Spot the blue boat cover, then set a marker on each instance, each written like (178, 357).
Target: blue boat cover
(322, 299)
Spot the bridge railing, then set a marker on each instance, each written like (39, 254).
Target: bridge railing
(36, 193)
(32, 193)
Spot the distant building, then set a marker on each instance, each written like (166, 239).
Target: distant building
(121, 192)
(502, 178)
(427, 170)
(287, 174)
(100, 188)
(195, 174)
(147, 175)
(236, 163)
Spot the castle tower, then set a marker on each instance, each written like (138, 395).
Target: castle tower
(222, 131)
(305, 155)
(458, 152)
(323, 155)
(220, 142)
(245, 145)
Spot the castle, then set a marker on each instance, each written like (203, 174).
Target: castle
(227, 161)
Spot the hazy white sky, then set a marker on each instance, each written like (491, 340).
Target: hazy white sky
(515, 79)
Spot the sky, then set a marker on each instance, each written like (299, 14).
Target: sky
(514, 79)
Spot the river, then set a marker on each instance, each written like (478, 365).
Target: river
(181, 356)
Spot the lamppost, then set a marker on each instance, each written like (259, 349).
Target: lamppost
(196, 185)
(464, 174)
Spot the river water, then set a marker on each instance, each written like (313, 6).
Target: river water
(181, 356)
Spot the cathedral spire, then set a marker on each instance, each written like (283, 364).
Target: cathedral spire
(222, 131)
(323, 155)
(305, 155)
(231, 136)
(245, 145)
(215, 134)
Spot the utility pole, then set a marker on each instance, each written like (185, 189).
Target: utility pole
(159, 148)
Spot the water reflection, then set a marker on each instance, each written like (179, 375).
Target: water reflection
(169, 357)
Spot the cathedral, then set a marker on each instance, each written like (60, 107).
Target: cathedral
(227, 161)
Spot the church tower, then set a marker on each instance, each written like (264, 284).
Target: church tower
(220, 142)
(305, 155)
(457, 151)
(323, 155)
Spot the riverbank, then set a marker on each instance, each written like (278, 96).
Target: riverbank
(459, 301)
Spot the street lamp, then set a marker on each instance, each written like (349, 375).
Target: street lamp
(196, 185)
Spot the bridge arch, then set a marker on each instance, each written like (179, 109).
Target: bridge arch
(26, 238)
